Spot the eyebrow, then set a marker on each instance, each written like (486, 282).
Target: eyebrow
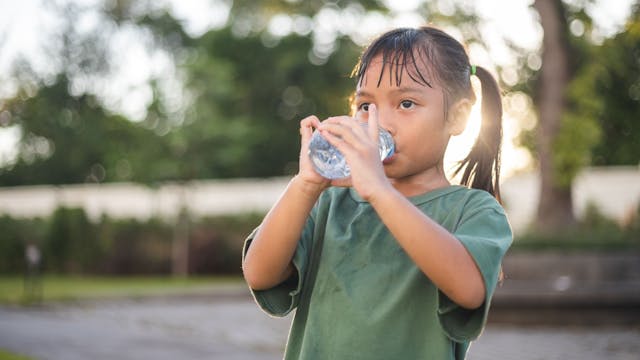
(401, 90)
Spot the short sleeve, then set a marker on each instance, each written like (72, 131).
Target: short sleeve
(486, 234)
(283, 298)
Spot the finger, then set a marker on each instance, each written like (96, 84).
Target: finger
(306, 127)
(339, 123)
(345, 128)
(373, 123)
(310, 122)
(336, 135)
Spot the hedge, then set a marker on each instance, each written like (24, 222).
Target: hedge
(70, 243)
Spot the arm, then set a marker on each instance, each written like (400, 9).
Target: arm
(267, 262)
(436, 252)
(268, 259)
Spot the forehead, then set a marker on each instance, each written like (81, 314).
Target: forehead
(397, 69)
(397, 72)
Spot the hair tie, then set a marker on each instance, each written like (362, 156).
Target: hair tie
(473, 70)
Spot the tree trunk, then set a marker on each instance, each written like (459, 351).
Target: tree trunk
(555, 209)
(180, 245)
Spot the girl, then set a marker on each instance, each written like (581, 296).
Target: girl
(393, 262)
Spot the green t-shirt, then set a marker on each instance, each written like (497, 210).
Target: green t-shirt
(358, 295)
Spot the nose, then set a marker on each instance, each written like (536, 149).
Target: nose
(384, 118)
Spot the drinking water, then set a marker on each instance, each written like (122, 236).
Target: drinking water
(331, 164)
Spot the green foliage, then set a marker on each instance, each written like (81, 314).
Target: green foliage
(216, 243)
(72, 139)
(266, 8)
(579, 128)
(245, 93)
(248, 100)
(134, 247)
(599, 125)
(71, 244)
(617, 83)
(16, 234)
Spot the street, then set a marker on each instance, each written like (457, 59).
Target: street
(232, 327)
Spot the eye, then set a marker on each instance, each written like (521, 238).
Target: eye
(406, 104)
(364, 107)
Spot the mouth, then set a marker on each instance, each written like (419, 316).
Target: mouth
(389, 160)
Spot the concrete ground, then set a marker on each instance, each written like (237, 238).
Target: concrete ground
(232, 327)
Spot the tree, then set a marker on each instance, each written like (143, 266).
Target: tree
(247, 100)
(72, 139)
(581, 116)
(616, 80)
(555, 207)
(67, 135)
(244, 91)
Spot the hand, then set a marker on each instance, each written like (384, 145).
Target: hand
(360, 148)
(306, 172)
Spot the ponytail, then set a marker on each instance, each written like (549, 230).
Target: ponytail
(481, 168)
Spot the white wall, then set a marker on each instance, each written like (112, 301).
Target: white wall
(126, 200)
(615, 190)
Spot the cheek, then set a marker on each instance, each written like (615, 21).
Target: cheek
(430, 140)
(422, 132)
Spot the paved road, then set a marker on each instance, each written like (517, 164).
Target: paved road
(233, 328)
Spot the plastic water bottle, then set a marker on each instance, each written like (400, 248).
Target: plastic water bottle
(331, 164)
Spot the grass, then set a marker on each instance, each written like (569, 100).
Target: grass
(63, 288)
(6, 355)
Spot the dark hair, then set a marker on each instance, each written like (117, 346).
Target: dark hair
(446, 61)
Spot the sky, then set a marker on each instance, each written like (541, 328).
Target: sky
(22, 24)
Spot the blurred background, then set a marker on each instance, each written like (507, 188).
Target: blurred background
(141, 141)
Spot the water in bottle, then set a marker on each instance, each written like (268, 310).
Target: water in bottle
(331, 164)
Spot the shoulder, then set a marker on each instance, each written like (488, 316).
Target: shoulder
(482, 212)
(476, 200)
(482, 222)
(457, 197)
(464, 207)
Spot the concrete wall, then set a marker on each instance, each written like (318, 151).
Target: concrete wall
(616, 191)
(126, 200)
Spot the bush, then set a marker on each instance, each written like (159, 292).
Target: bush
(71, 244)
(216, 243)
(593, 232)
(135, 247)
(14, 237)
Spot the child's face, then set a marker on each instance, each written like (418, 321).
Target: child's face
(413, 113)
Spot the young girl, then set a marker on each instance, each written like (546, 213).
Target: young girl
(393, 262)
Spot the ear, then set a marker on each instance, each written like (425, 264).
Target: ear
(458, 116)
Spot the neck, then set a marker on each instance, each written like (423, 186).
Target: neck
(410, 188)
